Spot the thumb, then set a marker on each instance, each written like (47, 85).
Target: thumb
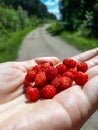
(30, 63)
(53, 60)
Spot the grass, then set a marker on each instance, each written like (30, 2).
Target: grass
(10, 43)
(81, 43)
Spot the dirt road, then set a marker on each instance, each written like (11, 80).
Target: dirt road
(39, 43)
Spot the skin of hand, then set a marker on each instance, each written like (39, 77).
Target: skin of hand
(68, 110)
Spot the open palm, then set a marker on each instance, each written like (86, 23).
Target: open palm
(68, 110)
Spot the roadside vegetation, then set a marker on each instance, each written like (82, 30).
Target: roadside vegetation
(78, 24)
(16, 20)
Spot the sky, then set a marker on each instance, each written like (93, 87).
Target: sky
(52, 6)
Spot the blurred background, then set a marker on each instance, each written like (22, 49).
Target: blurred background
(75, 21)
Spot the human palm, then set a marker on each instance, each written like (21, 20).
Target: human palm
(68, 110)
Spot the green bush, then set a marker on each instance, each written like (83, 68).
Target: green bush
(56, 28)
(9, 44)
(12, 20)
(83, 29)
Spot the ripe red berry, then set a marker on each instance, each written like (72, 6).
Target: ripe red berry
(48, 91)
(69, 63)
(40, 78)
(55, 82)
(69, 74)
(45, 66)
(32, 94)
(65, 82)
(81, 78)
(61, 68)
(82, 66)
(51, 72)
(30, 76)
(36, 68)
(27, 83)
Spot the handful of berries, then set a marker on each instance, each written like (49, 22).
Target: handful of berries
(46, 80)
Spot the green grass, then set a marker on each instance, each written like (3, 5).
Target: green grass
(9, 44)
(81, 43)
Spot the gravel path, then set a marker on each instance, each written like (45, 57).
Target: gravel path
(39, 43)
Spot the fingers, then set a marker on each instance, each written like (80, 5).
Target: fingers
(28, 64)
(91, 92)
(92, 62)
(86, 55)
(75, 103)
(53, 60)
(92, 72)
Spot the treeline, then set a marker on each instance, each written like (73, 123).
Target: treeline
(80, 15)
(18, 14)
(33, 7)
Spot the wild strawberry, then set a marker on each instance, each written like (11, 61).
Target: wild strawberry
(81, 78)
(45, 66)
(32, 94)
(30, 76)
(69, 63)
(69, 74)
(51, 72)
(36, 68)
(40, 78)
(65, 82)
(26, 83)
(55, 82)
(48, 91)
(82, 66)
(61, 68)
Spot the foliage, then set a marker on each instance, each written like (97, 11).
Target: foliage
(74, 11)
(56, 28)
(11, 20)
(33, 7)
(80, 42)
(9, 44)
(84, 29)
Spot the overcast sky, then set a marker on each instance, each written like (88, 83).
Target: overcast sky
(52, 6)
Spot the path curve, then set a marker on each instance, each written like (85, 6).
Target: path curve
(39, 43)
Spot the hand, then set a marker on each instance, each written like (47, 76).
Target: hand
(68, 110)
(12, 76)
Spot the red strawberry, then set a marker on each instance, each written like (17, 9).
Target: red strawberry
(36, 68)
(48, 91)
(51, 72)
(65, 82)
(32, 93)
(69, 63)
(82, 66)
(40, 78)
(45, 66)
(55, 82)
(30, 76)
(69, 74)
(61, 68)
(26, 83)
(81, 78)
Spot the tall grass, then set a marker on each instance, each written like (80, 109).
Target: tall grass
(74, 38)
(82, 43)
(9, 44)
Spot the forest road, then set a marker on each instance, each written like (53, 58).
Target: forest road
(39, 43)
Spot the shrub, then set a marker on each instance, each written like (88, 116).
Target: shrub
(12, 20)
(83, 29)
(56, 28)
